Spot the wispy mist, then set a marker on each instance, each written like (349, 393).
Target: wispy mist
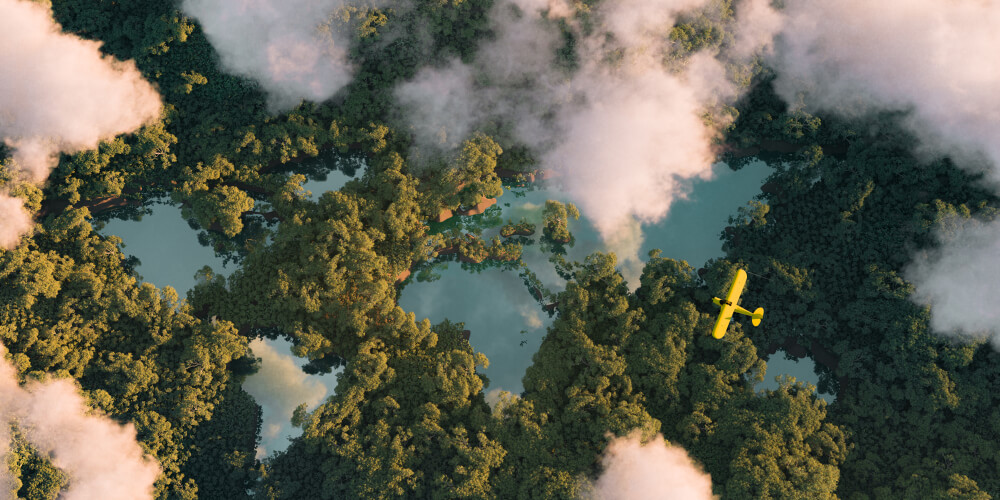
(100, 456)
(58, 94)
(632, 148)
(14, 221)
(8, 394)
(440, 105)
(295, 49)
(934, 59)
(655, 470)
(626, 133)
(959, 279)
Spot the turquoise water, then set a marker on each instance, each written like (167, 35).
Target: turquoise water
(505, 320)
(170, 255)
(801, 369)
(166, 246)
(507, 323)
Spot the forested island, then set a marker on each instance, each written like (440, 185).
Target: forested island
(449, 104)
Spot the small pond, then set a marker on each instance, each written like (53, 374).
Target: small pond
(802, 370)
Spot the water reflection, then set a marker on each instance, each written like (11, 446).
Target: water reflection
(803, 370)
(506, 320)
(167, 247)
(170, 254)
(504, 316)
(328, 171)
(279, 387)
(334, 179)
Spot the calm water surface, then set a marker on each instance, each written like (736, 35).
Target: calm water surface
(505, 320)
(507, 323)
(170, 255)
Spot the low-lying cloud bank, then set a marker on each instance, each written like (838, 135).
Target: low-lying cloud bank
(655, 470)
(933, 59)
(59, 94)
(293, 48)
(959, 279)
(100, 456)
(627, 135)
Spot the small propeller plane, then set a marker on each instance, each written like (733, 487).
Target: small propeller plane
(728, 306)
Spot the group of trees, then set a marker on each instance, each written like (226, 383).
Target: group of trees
(409, 416)
(830, 238)
(555, 219)
(70, 307)
(914, 417)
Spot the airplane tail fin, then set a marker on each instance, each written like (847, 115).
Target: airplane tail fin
(757, 316)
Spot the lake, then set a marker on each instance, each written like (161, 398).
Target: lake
(506, 322)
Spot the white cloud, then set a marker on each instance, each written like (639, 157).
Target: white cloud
(294, 48)
(934, 60)
(758, 24)
(959, 279)
(58, 94)
(440, 105)
(14, 221)
(930, 57)
(627, 137)
(101, 457)
(656, 470)
(631, 148)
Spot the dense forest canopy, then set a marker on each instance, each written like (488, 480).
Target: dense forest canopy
(880, 210)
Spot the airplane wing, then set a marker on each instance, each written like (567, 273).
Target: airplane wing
(737, 287)
(726, 310)
(722, 322)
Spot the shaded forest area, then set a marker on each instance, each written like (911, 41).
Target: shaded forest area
(915, 416)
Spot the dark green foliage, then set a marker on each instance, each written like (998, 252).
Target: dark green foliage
(521, 228)
(223, 459)
(827, 243)
(408, 419)
(831, 242)
(555, 218)
(68, 308)
(613, 362)
(33, 475)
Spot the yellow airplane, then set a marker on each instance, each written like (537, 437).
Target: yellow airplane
(728, 306)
